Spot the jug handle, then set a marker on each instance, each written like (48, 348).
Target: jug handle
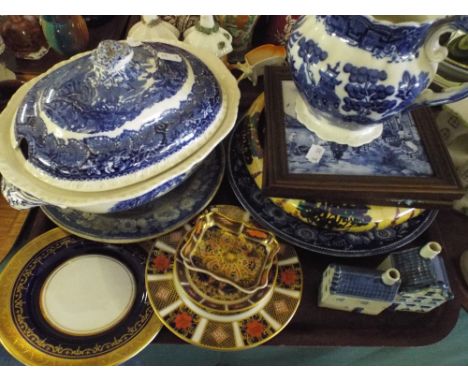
(437, 53)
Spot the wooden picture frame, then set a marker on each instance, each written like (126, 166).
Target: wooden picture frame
(437, 189)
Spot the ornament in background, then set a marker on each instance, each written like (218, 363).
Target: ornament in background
(67, 35)
(23, 35)
(241, 28)
(208, 35)
(152, 28)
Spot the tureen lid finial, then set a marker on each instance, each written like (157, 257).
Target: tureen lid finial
(112, 56)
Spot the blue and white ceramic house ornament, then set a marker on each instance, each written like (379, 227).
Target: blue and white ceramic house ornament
(359, 290)
(354, 72)
(424, 281)
(128, 121)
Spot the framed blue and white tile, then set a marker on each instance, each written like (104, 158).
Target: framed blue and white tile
(408, 164)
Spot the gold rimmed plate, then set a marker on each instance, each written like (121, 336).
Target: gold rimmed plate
(229, 331)
(70, 301)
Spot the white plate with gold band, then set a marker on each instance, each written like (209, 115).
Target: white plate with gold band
(70, 301)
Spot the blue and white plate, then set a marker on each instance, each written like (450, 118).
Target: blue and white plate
(294, 231)
(71, 301)
(150, 220)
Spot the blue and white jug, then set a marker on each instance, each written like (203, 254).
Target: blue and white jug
(354, 72)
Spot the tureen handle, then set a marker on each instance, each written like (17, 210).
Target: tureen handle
(19, 199)
(437, 53)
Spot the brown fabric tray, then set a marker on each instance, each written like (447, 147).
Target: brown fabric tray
(314, 326)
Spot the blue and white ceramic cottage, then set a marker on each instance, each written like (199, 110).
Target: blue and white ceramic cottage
(424, 281)
(354, 72)
(116, 127)
(359, 290)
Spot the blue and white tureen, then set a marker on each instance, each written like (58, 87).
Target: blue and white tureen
(116, 127)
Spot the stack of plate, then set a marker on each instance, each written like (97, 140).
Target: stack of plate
(362, 230)
(223, 284)
(113, 129)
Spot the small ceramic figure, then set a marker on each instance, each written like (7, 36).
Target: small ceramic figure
(67, 35)
(359, 290)
(23, 35)
(207, 34)
(257, 59)
(182, 23)
(152, 28)
(241, 28)
(424, 281)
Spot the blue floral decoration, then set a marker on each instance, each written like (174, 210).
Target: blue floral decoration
(411, 86)
(395, 43)
(365, 94)
(320, 92)
(78, 106)
(157, 217)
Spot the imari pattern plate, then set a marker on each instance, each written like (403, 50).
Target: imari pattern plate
(220, 331)
(231, 251)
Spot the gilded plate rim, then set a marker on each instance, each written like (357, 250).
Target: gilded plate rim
(27, 354)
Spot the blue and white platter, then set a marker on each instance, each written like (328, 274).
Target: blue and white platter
(296, 232)
(70, 301)
(152, 219)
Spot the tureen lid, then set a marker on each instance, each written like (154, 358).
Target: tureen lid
(118, 115)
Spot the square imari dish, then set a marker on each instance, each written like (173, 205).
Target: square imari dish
(230, 251)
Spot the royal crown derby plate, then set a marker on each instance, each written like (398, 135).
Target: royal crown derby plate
(13, 165)
(206, 291)
(337, 217)
(296, 232)
(123, 113)
(70, 301)
(153, 219)
(231, 251)
(201, 327)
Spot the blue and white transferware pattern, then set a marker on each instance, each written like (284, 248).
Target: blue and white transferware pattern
(117, 112)
(424, 281)
(354, 72)
(397, 152)
(358, 290)
(296, 232)
(152, 219)
(32, 186)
